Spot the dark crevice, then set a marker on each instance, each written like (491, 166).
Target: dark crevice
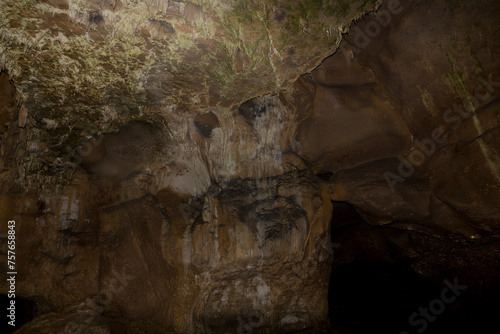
(256, 107)
(370, 293)
(206, 123)
(324, 175)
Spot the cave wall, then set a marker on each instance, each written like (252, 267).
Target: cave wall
(161, 158)
(441, 183)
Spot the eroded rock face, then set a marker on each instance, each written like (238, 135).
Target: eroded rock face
(119, 155)
(162, 158)
(405, 117)
(201, 226)
(104, 63)
(241, 254)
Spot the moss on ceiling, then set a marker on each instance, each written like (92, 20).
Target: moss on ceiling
(85, 67)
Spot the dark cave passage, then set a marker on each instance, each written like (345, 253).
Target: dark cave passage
(381, 297)
(375, 295)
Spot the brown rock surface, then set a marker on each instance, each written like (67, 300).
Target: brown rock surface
(182, 166)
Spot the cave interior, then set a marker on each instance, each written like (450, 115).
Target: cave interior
(261, 166)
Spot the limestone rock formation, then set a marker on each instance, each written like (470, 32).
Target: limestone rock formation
(178, 166)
